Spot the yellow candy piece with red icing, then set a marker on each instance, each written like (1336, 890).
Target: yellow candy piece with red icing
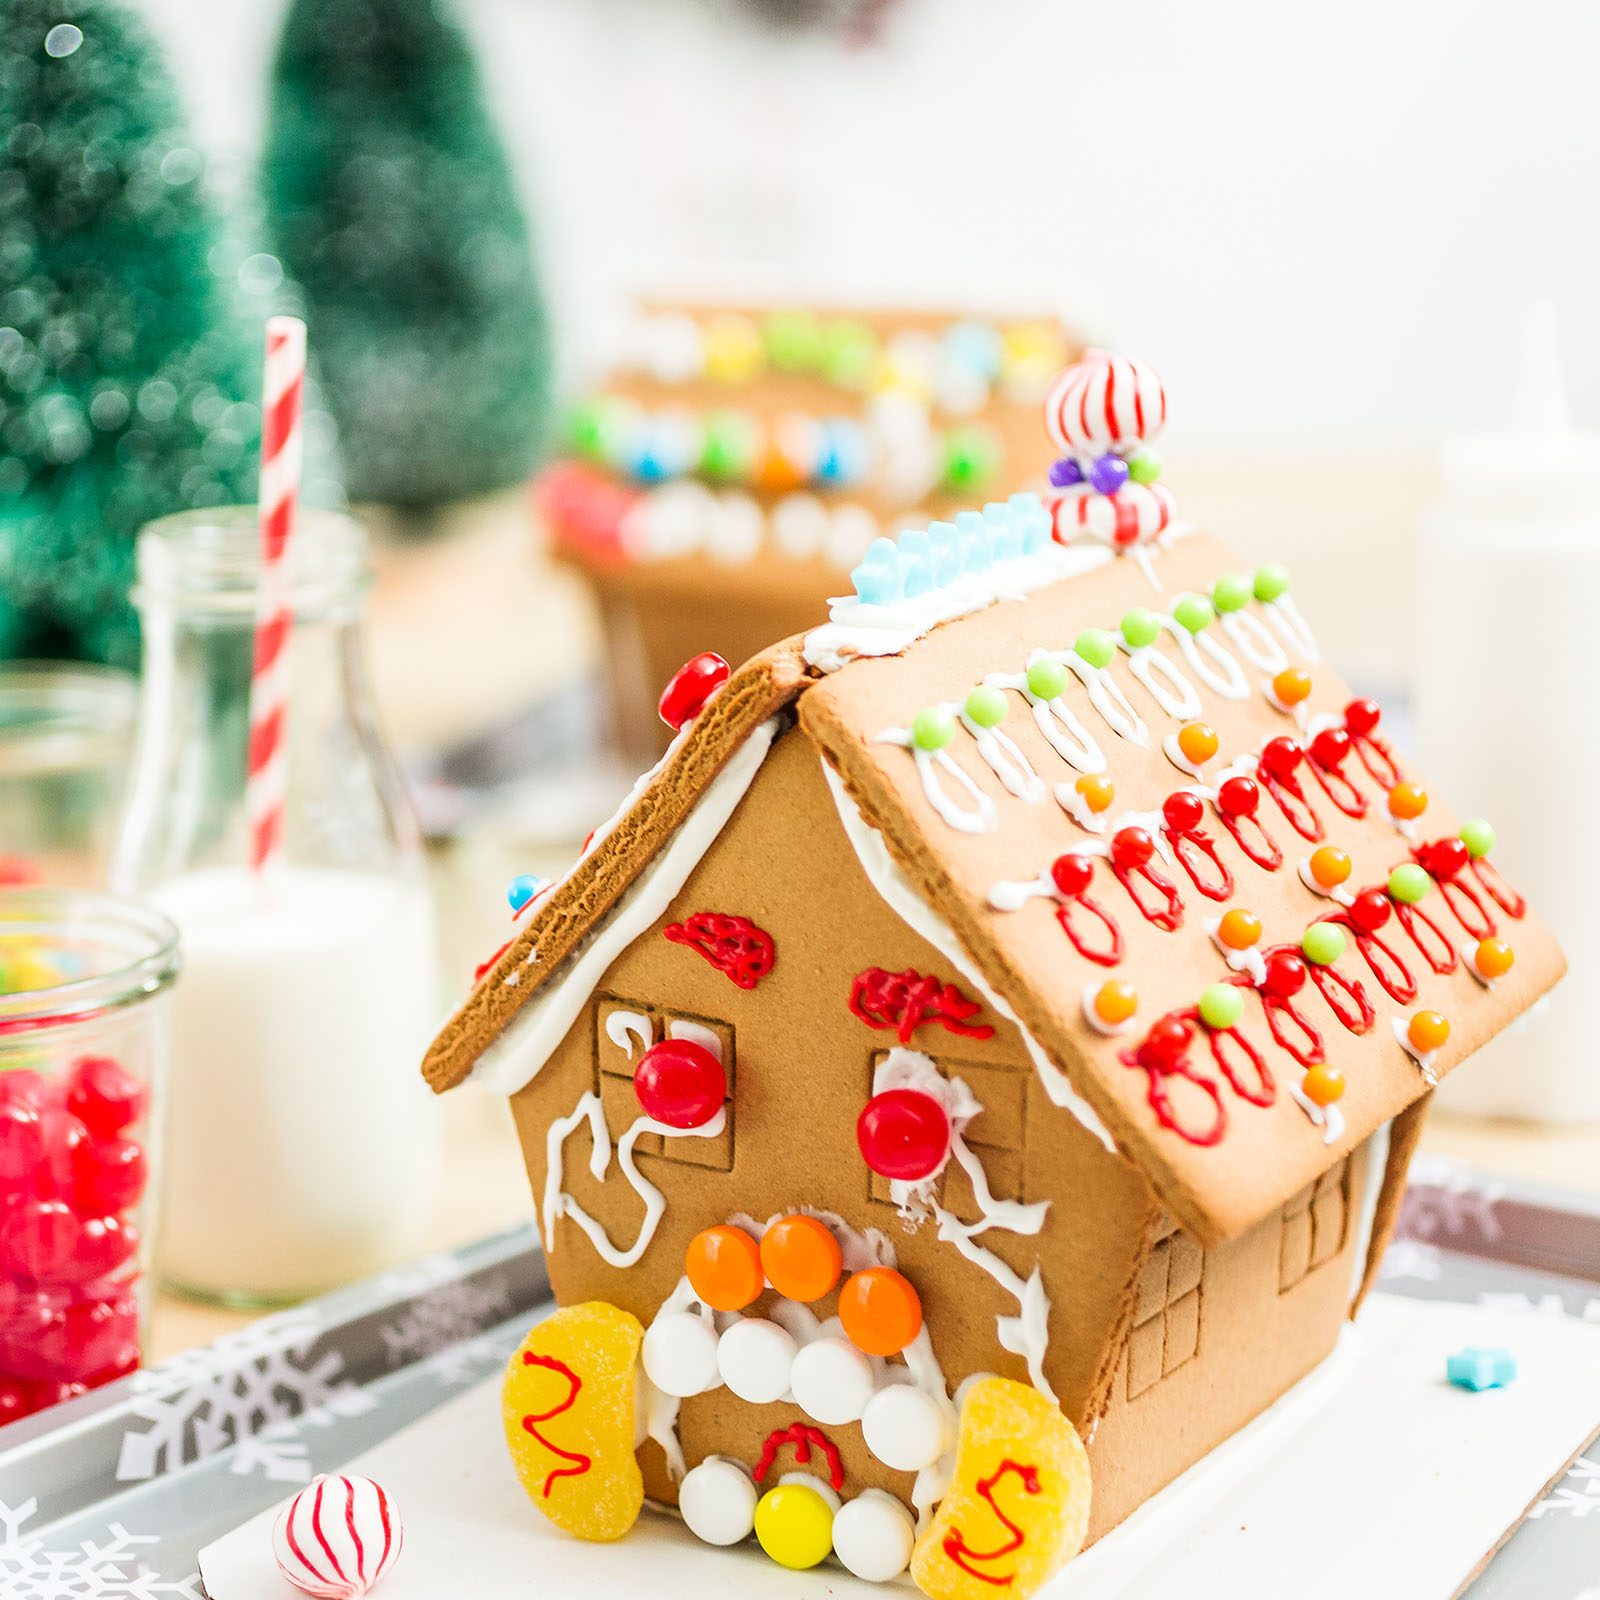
(1018, 1504)
(568, 1406)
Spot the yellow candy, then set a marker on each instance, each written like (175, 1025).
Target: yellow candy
(794, 1525)
(568, 1407)
(1018, 1504)
(734, 352)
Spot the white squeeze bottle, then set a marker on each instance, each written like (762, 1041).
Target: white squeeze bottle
(302, 1147)
(1508, 709)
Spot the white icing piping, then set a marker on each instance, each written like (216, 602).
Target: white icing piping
(1285, 616)
(1106, 696)
(897, 893)
(979, 818)
(1423, 1058)
(1221, 673)
(1337, 893)
(1329, 1117)
(519, 1054)
(1257, 646)
(1249, 961)
(623, 1027)
(1176, 696)
(1006, 761)
(1377, 1164)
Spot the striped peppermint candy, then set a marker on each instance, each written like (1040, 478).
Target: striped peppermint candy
(1135, 513)
(337, 1537)
(1104, 402)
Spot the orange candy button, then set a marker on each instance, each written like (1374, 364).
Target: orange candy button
(1428, 1030)
(801, 1258)
(1291, 686)
(1493, 957)
(880, 1311)
(1115, 1001)
(1407, 801)
(1198, 742)
(1239, 930)
(1330, 866)
(1322, 1084)
(1097, 792)
(724, 1266)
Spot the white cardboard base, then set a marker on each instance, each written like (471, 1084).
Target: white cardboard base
(1374, 1465)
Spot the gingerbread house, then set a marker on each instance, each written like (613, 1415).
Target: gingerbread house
(1039, 970)
(737, 461)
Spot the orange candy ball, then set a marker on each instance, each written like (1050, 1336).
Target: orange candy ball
(1330, 866)
(880, 1310)
(1407, 801)
(1098, 792)
(1427, 1031)
(1198, 742)
(1493, 957)
(1322, 1084)
(801, 1258)
(1115, 1001)
(1239, 930)
(1291, 686)
(724, 1266)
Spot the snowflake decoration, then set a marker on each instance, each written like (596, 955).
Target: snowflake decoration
(252, 1387)
(444, 1316)
(94, 1571)
(1446, 1198)
(1407, 1258)
(1576, 1495)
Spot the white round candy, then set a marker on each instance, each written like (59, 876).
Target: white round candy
(832, 1381)
(799, 525)
(737, 525)
(873, 1536)
(852, 529)
(337, 1537)
(904, 1428)
(718, 1501)
(754, 1357)
(680, 1354)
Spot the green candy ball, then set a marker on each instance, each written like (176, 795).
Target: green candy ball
(849, 350)
(1144, 467)
(1095, 647)
(1408, 883)
(1231, 592)
(1478, 836)
(1141, 627)
(1047, 678)
(1322, 943)
(1194, 612)
(932, 728)
(986, 705)
(1271, 581)
(971, 457)
(728, 450)
(1221, 1005)
(584, 428)
(793, 340)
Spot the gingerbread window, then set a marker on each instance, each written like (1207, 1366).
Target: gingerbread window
(1314, 1224)
(1166, 1312)
(624, 1030)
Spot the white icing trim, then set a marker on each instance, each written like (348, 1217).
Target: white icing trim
(1106, 696)
(1176, 696)
(623, 1027)
(1329, 1117)
(1424, 1059)
(897, 893)
(1285, 616)
(980, 818)
(1377, 1164)
(1255, 644)
(1222, 674)
(1251, 962)
(516, 1058)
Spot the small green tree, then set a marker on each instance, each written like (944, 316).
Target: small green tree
(390, 199)
(125, 383)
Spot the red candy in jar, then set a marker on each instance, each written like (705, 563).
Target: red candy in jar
(690, 687)
(680, 1083)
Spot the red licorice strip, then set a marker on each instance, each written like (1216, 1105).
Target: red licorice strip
(1166, 912)
(580, 1462)
(962, 1554)
(1194, 848)
(1112, 953)
(735, 946)
(902, 1001)
(1497, 888)
(1292, 802)
(1262, 848)
(802, 1436)
(1442, 958)
(1266, 1090)
(1351, 1006)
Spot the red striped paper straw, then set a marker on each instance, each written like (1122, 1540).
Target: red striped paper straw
(279, 492)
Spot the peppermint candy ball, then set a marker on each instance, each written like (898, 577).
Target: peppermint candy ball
(337, 1537)
(1104, 402)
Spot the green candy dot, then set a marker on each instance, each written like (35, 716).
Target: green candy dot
(1271, 581)
(848, 352)
(1408, 883)
(971, 457)
(584, 425)
(1221, 1005)
(1141, 627)
(1144, 467)
(1322, 943)
(1096, 647)
(793, 340)
(1047, 677)
(1194, 612)
(1478, 836)
(986, 705)
(1231, 592)
(932, 728)
(728, 449)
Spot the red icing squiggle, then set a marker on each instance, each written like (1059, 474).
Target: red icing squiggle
(1158, 1068)
(735, 946)
(580, 1462)
(1361, 718)
(1194, 848)
(902, 1001)
(1281, 1013)
(802, 1436)
(963, 1555)
(1265, 1091)
(1345, 996)
(1275, 772)
(1106, 956)
(1497, 888)
(1165, 908)
(1383, 961)
(1442, 957)
(1246, 830)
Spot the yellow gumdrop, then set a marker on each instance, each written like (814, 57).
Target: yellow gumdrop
(1018, 1503)
(568, 1406)
(794, 1525)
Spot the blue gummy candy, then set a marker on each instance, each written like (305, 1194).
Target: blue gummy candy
(877, 585)
(1476, 1368)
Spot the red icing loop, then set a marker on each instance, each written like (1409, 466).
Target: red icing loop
(580, 1462)
(1238, 805)
(1442, 955)
(1361, 718)
(1158, 1068)
(1384, 962)
(1265, 1090)
(735, 946)
(1107, 955)
(1165, 907)
(1279, 759)
(1286, 976)
(690, 687)
(680, 1083)
(962, 1554)
(1497, 888)
(901, 1002)
(903, 1134)
(1193, 850)
(802, 1436)
(1466, 905)
(1345, 996)
(1328, 753)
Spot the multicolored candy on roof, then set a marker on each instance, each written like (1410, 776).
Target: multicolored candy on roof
(1058, 956)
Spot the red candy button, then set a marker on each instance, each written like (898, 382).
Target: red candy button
(1071, 874)
(1331, 748)
(691, 686)
(904, 1134)
(1239, 797)
(1370, 910)
(680, 1083)
(1279, 757)
(1131, 848)
(1167, 1041)
(1182, 811)
(1444, 859)
(1362, 716)
(1285, 975)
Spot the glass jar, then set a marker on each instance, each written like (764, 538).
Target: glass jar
(84, 985)
(303, 1146)
(65, 734)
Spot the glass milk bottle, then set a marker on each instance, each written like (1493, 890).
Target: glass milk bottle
(302, 1145)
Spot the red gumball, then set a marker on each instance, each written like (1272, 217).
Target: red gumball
(1239, 797)
(16, 1399)
(1131, 848)
(1370, 910)
(38, 1238)
(108, 1176)
(904, 1134)
(1280, 756)
(21, 1145)
(30, 1330)
(1183, 811)
(680, 1083)
(1167, 1042)
(24, 1087)
(690, 687)
(1285, 974)
(1331, 748)
(1071, 873)
(63, 1138)
(1444, 859)
(1361, 717)
(18, 872)
(105, 1245)
(104, 1097)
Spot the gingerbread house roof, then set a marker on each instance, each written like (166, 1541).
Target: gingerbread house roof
(962, 838)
